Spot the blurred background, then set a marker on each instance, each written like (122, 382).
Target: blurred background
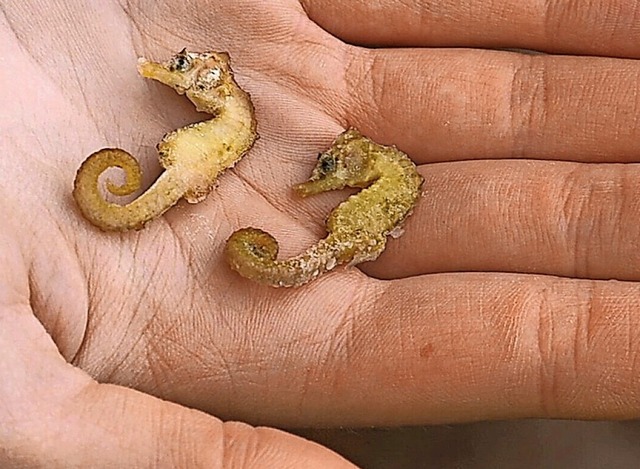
(520, 444)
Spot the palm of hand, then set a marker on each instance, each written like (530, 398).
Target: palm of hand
(163, 312)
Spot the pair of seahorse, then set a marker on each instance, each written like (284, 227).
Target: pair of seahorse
(194, 156)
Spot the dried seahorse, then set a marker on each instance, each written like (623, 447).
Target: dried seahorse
(357, 228)
(193, 156)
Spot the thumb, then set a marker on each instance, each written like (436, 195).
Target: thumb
(54, 415)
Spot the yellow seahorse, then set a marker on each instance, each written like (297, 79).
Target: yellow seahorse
(357, 228)
(193, 156)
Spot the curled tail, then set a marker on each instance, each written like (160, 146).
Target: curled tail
(252, 253)
(162, 195)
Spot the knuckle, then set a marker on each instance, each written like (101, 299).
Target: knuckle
(559, 343)
(528, 104)
(594, 208)
(587, 349)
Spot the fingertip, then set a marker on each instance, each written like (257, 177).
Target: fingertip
(264, 447)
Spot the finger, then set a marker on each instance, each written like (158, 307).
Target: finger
(53, 415)
(456, 104)
(464, 347)
(558, 218)
(554, 26)
(434, 349)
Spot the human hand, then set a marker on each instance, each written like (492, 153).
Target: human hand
(160, 312)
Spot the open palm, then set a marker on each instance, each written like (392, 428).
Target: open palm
(159, 310)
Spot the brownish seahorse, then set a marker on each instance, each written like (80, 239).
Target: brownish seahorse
(193, 156)
(357, 228)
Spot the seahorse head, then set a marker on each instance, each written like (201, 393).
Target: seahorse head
(199, 75)
(348, 163)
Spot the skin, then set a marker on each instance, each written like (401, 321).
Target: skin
(193, 156)
(357, 228)
(497, 303)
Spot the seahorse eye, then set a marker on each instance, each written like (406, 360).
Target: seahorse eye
(181, 62)
(327, 163)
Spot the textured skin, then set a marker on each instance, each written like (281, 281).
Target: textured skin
(357, 228)
(193, 156)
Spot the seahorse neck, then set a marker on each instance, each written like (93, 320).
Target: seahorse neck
(386, 167)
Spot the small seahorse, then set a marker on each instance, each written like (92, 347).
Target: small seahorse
(193, 156)
(357, 228)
